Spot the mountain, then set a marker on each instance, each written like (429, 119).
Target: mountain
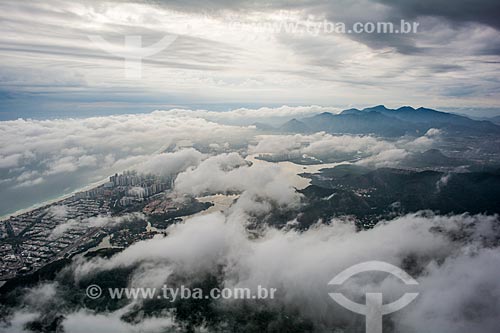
(382, 121)
(437, 119)
(295, 126)
(495, 120)
(359, 123)
(352, 111)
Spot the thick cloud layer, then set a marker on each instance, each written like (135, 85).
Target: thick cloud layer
(169, 164)
(228, 173)
(452, 257)
(44, 159)
(368, 150)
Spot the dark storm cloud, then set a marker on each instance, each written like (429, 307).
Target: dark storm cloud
(479, 11)
(456, 14)
(461, 18)
(445, 68)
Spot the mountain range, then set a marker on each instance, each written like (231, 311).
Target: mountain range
(382, 121)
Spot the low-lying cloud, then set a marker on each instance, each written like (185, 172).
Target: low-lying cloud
(450, 256)
(365, 149)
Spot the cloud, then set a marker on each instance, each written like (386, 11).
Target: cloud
(10, 161)
(220, 60)
(448, 255)
(63, 155)
(433, 132)
(368, 150)
(478, 11)
(278, 144)
(62, 228)
(169, 164)
(58, 211)
(85, 321)
(267, 115)
(347, 144)
(211, 175)
(93, 222)
(53, 156)
(424, 142)
(443, 181)
(227, 173)
(41, 296)
(465, 296)
(386, 158)
(30, 182)
(18, 321)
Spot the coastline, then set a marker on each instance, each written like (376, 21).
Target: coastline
(65, 196)
(295, 169)
(52, 201)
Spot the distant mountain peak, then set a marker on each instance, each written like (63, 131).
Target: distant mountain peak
(351, 111)
(427, 109)
(382, 121)
(295, 126)
(377, 108)
(406, 108)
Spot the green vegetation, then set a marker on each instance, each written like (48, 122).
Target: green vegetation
(370, 196)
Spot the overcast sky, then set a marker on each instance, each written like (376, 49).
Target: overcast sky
(225, 54)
